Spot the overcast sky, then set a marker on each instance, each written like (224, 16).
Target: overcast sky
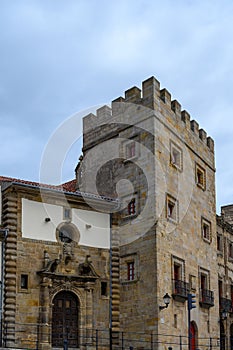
(59, 57)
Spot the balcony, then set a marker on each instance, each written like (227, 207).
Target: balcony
(180, 290)
(206, 298)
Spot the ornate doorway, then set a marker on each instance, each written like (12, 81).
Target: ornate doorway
(65, 320)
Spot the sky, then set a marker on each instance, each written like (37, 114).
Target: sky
(63, 57)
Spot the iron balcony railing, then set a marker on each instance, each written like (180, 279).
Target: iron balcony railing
(180, 290)
(206, 298)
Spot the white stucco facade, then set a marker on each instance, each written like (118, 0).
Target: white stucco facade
(93, 227)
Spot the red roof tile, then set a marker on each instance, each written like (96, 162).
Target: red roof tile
(67, 186)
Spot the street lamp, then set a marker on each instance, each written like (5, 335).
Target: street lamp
(224, 314)
(166, 300)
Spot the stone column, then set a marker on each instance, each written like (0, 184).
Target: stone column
(10, 222)
(45, 327)
(89, 312)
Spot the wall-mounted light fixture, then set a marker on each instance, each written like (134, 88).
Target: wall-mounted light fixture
(47, 219)
(166, 300)
(224, 314)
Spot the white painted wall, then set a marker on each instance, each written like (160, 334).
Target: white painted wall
(35, 227)
(98, 235)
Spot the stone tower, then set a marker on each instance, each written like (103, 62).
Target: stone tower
(146, 151)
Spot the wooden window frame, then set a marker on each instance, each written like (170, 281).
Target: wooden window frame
(206, 230)
(200, 177)
(127, 150)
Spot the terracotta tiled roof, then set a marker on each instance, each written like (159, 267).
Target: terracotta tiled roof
(67, 186)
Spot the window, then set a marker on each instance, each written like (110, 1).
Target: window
(130, 270)
(180, 286)
(176, 156)
(130, 206)
(24, 282)
(177, 270)
(204, 280)
(65, 234)
(206, 230)
(130, 150)
(104, 289)
(219, 243)
(231, 298)
(220, 290)
(200, 177)
(230, 250)
(67, 214)
(171, 208)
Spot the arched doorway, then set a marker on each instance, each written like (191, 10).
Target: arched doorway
(65, 314)
(194, 336)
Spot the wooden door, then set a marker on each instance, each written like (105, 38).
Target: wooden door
(65, 320)
(193, 336)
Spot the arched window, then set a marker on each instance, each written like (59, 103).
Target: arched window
(67, 232)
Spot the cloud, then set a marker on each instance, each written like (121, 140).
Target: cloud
(60, 57)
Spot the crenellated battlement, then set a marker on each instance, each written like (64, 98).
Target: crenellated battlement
(150, 96)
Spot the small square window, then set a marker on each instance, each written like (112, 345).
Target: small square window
(176, 156)
(24, 282)
(171, 208)
(206, 230)
(200, 177)
(130, 150)
(130, 270)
